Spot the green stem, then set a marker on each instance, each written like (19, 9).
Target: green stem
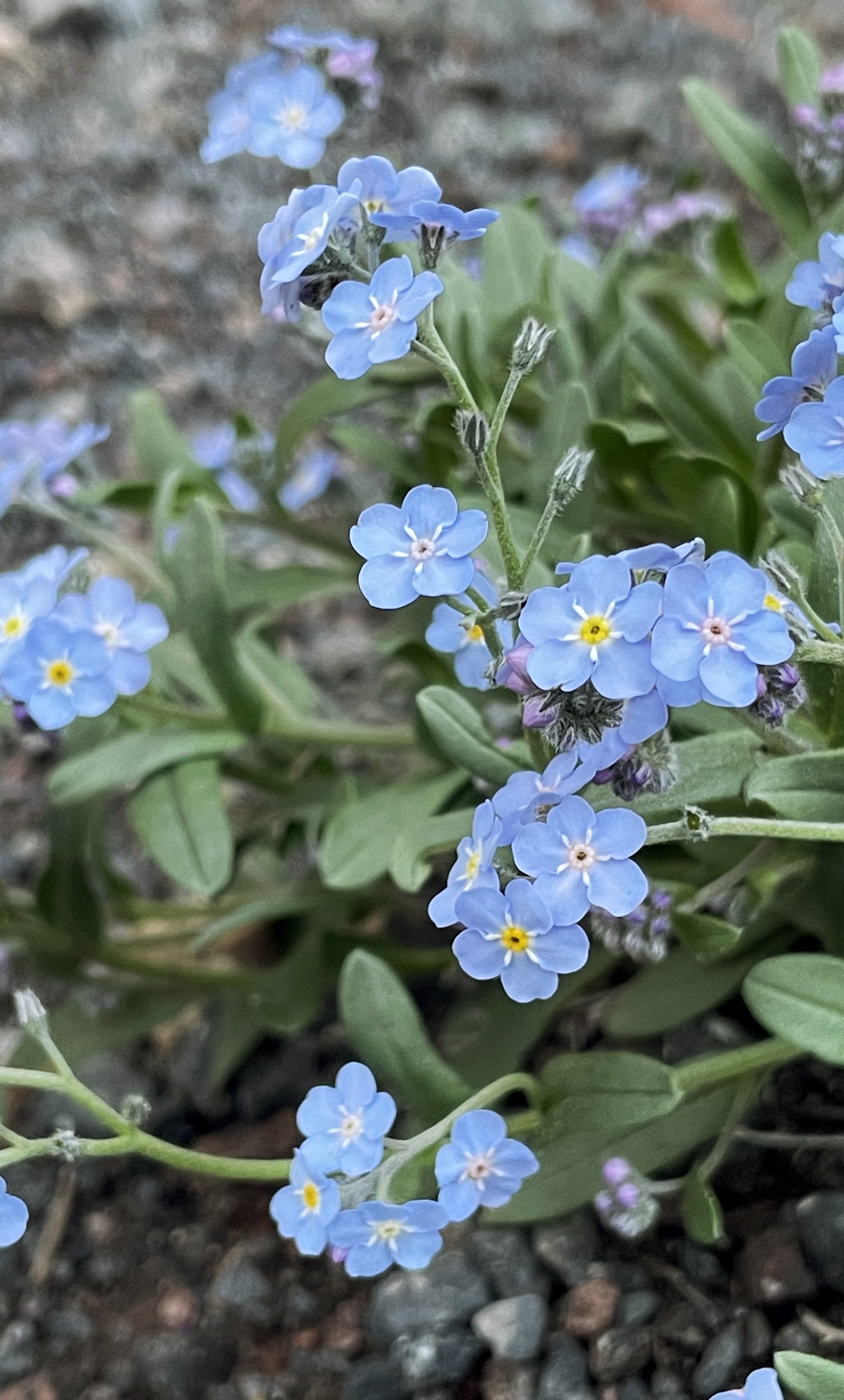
(546, 520)
(822, 628)
(828, 653)
(774, 828)
(837, 541)
(724, 883)
(709, 1070)
(208, 979)
(514, 378)
(746, 1091)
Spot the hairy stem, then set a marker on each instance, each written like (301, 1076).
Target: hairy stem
(771, 827)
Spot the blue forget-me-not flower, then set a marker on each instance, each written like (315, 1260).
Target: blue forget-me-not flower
(296, 237)
(609, 199)
(38, 453)
(527, 795)
(515, 936)
(128, 629)
(385, 190)
(21, 602)
(818, 284)
(13, 1217)
(473, 868)
(816, 431)
(480, 1165)
(581, 857)
(216, 449)
(451, 631)
(229, 118)
(595, 628)
(422, 547)
(376, 322)
(304, 1210)
(814, 365)
(378, 1234)
(715, 628)
(457, 226)
(344, 1127)
(291, 114)
(60, 673)
(309, 478)
(760, 1385)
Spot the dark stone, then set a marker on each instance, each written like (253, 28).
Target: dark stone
(665, 1385)
(377, 1378)
(507, 1261)
(633, 1389)
(638, 1308)
(436, 1358)
(566, 1372)
(820, 1221)
(720, 1359)
(772, 1268)
(758, 1336)
(619, 1352)
(508, 1380)
(172, 1367)
(240, 1286)
(702, 1266)
(68, 1328)
(569, 1247)
(449, 1291)
(795, 1336)
(514, 1328)
(18, 1356)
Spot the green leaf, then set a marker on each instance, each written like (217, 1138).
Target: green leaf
(752, 156)
(180, 817)
(461, 735)
(706, 937)
(283, 903)
(800, 997)
(408, 866)
(67, 897)
(156, 441)
(280, 588)
(666, 994)
(753, 351)
(604, 1088)
(288, 995)
(800, 67)
(386, 1030)
(322, 399)
(570, 1163)
(83, 1028)
(358, 840)
(701, 1209)
(122, 762)
(735, 270)
(810, 1377)
(804, 787)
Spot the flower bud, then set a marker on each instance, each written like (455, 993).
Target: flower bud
(30, 1012)
(627, 1206)
(531, 345)
(801, 484)
(781, 571)
(473, 431)
(570, 476)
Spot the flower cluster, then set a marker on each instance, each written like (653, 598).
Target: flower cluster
(69, 656)
(643, 934)
(807, 406)
(35, 456)
(344, 1130)
(277, 104)
(819, 128)
(611, 203)
(315, 248)
(625, 1205)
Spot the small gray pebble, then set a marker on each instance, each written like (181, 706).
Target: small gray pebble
(638, 1308)
(758, 1336)
(514, 1328)
(436, 1358)
(377, 1378)
(507, 1261)
(449, 1291)
(820, 1221)
(720, 1359)
(619, 1352)
(569, 1247)
(17, 1351)
(565, 1372)
(665, 1385)
(634, 1389)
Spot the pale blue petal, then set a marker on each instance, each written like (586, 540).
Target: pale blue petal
(524, 980)
(480, 958)
(441, 576)
(564, 664)
(467, 533)
(635, 617)
(623, 669)
(565, 895)
(380, 530)
(356, 1085)
(537, 849)
(419, 294)
(93, 695)
(730, 675)
(478, 1130)
(348, 354)
(392, 343)
(415, 1251)
(686, 593)
(676, 650)
(348, 304)
(563, 949)
(617, 886)
(130, 671)
(765, 637)
(526, 910)
(618, 832)
(319, 1111)
(459, 1199)
(387, 582)
(429, 507)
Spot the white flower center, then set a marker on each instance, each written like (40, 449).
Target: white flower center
(110, 634)
(580, 856)
(388, 1231)
(420, 550)
(480, 1166)
(717, 631)
(351, 1126)
(293, 117)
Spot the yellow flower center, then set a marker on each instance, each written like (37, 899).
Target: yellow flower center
(14, 626)
(775, 604)
(310, 1196)
(388, 1229)
(475, 634)
(373, 206)
(473, 865)
(515, 940)
(59, 673)
(594, 629)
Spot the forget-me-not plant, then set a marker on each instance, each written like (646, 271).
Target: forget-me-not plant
(376, 322)
(291, 114)
(480, 1165)
(344, 1127)
(518, 936)
(128, 628)
(383, 190)
(422, 547)
(378, 1234)
(581, 857)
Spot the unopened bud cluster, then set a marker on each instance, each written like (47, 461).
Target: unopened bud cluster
(643, 934)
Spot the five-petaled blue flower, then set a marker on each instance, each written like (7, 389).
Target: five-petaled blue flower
(304, 1210)
(582, 857)
(375, 322)
(229, 120)
(593, 628)
(422, 547)
(818, 284)
(127, 627)
(452, 631)
(527, 795)
(13, 1216)
(378, 1234)
(760, 1385)
(296, 237)
(814, 365)
(59, 673)
(344, 1127)
(309, 479)
(457, 225)
(216, 449)
(291, 114)
(473, 869)
(517, 937)
(715, 628)
(816, 431)
(39, 452)
(610, 196)
(480, 1165)
(21, 602)
(385, 190)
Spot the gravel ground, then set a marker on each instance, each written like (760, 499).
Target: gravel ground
(126, 262)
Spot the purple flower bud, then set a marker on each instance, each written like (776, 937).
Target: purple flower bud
(604, 776)
(638, 917)
(761, 686)
(614, 1170)
(627, 1195)
(661, 926)
(604, 1202)
(337, 1255)
(661, 899)
(512, 672)
(534, 715)
(803, 114)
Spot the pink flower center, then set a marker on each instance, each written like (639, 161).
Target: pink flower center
(381, 317)
(581, 856)
(716, 631)
(420, 550)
